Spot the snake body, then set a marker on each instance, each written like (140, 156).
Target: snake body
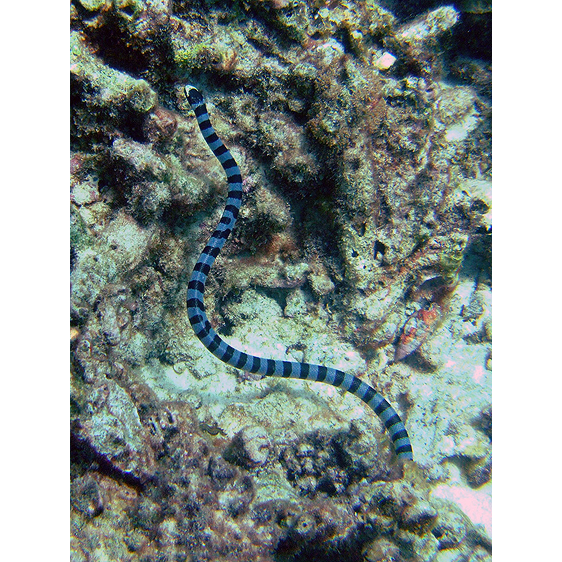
(238, 359)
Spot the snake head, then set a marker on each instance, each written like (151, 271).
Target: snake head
(193, 95)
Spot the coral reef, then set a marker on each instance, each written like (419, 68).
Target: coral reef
(363, 131)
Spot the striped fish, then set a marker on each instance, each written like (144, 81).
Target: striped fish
(417, 330)
(238, 359)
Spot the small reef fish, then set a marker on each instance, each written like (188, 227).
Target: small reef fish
(417, 330)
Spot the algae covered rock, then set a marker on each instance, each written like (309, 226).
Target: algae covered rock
(113, 430)
(104, 88)
(363, 137)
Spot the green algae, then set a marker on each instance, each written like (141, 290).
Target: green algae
(191, 57)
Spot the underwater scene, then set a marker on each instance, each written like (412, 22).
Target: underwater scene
(281, 281)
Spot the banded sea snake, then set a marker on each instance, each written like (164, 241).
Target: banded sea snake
(238, 359)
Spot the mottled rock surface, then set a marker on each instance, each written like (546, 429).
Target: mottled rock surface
(363, 133)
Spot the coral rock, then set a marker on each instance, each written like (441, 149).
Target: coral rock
(250, 447)
(114, 431)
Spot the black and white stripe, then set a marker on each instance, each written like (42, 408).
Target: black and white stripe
(225, 352)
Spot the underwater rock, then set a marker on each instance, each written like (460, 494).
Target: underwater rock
(127, 242)
(475, 72)
(319, 463)
(220, 472)
(381, 550)
(425, 547)
(362, 179)
(484, 421)
(86, 496)
(149, 200)
(160, 125)
(285, 141)
(250, 447)
(321, 283)
(109, 99)
(94, 5)
(85, 193)
(141, 158)
(290, 17)
(417, 40)
(474, 199)
(450, 528)
(456, 112)
(295, 303)
(119, 248)
(317, 530)
(113, 429)
(429, 26)
(473, 505)
(404, 503)
(480, 555)
(479, 471)
(107, 88)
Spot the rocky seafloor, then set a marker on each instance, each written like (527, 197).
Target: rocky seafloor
(363, 132)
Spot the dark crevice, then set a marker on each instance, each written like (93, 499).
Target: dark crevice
(83, 455)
